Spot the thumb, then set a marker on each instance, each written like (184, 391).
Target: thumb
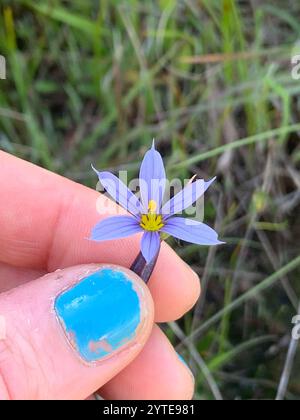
(65, 335)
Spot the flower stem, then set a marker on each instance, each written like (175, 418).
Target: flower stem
(142, 268)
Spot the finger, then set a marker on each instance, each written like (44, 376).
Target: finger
(91, 398)
(44, 223)
(69, 333)
(156, 374)
(11, 277)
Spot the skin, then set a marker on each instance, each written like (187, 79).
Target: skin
(44, 222)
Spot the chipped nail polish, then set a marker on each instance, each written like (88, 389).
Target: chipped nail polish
(101, 314)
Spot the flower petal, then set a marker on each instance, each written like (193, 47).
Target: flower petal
(115, 227)
(152, 179)
(191, 231)
(185, 198)
(119, 192)
(150, 245)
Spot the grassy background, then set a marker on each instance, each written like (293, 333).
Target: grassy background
(211, 81)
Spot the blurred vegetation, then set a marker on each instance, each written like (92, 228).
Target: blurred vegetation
(211, 81)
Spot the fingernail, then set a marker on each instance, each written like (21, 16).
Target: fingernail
(101, 314)
(182, 360)
(193, 272)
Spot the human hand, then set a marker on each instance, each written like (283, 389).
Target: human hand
(47, 349)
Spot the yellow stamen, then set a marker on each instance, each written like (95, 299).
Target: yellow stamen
(152, 206)
(152, 222)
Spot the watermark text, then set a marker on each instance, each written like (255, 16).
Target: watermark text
(296, 329)
(173, 197)
(2, 67)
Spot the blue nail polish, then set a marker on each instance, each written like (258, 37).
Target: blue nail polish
(182, 360)
(100, 315)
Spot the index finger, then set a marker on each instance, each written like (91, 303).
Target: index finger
(45, 219)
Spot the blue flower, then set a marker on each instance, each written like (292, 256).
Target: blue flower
(149, 215)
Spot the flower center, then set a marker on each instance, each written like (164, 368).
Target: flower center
(152, 222)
